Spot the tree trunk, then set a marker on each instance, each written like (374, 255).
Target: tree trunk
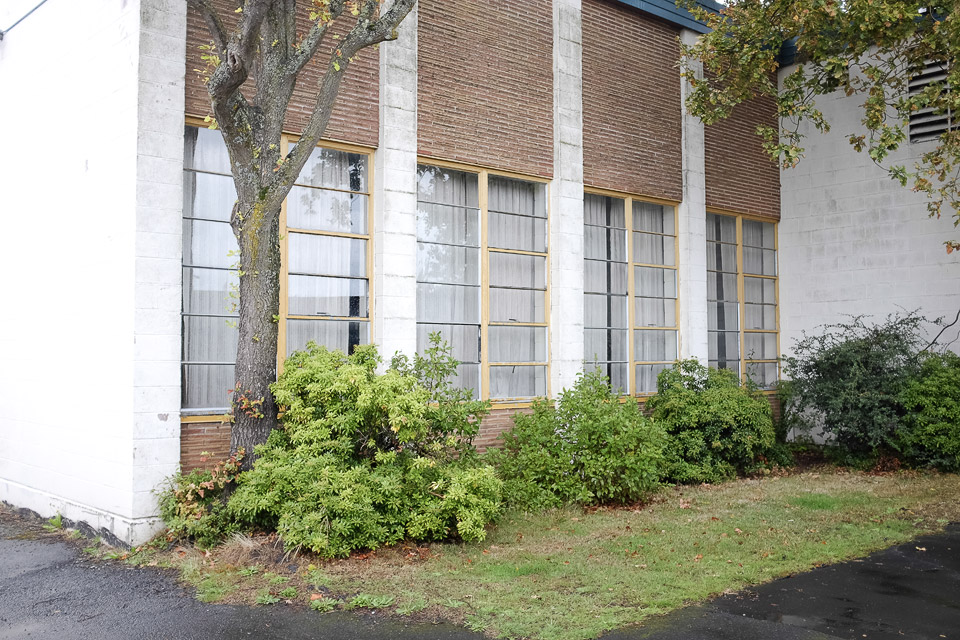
(254, 409)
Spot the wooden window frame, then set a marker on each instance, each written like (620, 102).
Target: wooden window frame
(483, 174)
(741, 292)
(214, 414)
(628, 200)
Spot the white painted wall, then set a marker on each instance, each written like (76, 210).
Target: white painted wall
(566, 199)
(853, 241)
(89, 337)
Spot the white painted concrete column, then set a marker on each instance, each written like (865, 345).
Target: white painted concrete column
(395, 196)
(157, 257)
(692, 231)
(566, 199)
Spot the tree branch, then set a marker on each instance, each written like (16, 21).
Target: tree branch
(311, 43)
(214, 24)
(238, 55)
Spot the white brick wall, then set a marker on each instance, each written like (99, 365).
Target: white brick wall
(395, 196)
(853, 241)
(566, 199)
(88, 210)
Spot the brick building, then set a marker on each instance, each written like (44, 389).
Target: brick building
(525, 182)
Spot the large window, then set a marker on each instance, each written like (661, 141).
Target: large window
(482, 277)
(325, 290)
(742, 297)
(630, 290)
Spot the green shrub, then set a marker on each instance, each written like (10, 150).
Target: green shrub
(364, 459)
(932, 426)
(716, 426)
(590, 448)
(192, 505)
(852, 376)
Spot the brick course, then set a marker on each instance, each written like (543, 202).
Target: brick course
(197, 438)
(741, 177)
(631, 101)
(485, 83)
(355, 117)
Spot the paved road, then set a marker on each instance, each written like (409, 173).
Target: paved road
(50, 590)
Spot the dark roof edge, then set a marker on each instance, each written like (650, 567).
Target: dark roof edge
(669, 11)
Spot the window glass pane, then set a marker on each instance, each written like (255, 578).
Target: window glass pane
(605, 345)
(207, 386)
(517, 270)
(732, 365)
(206, 195)
(763, 373)
(721, 257)
(527, 381)
(723, 316)
(655, 283)
(723, 345)
(653, 217)
(517, 305)
(318, 296)
(604, 277)
(517, 344)
(653, 249)
(604, 243)
(760, 316)
(209, 339)
(327, 255)
(721, 228)
(506, 195)
(322, 210)
(209, 244)
(760, 290)
(522, 233)
(604, 311)
(758, 234)
(762, 262)
(760, 346)
(616, 372)
(446, 186)
(447, 264)
(448, 224)
(722, 286)
(332, 334)
(603, 211)
(447, 303)
(335, 170)
(647, 376)
(655, 312)
(204, 149)
(211, 291)
(464, 339)
(652, 345)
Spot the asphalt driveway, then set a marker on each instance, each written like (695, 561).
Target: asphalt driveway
(49, 589)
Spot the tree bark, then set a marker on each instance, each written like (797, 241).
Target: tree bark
(254, 409)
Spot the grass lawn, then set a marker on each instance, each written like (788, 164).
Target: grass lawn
(572, 574)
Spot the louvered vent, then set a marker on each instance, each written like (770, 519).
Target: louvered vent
(924, 123)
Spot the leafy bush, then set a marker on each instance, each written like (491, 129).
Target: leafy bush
(192, 504)
(716, 426)
(590, 448)
(932, 400)
(852, 375)
(365, 459)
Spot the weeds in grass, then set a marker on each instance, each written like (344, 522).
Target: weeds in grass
(289, 593)
(55, 523)
(325, 605)
(267, 598)
(248, 571)
(367, 601)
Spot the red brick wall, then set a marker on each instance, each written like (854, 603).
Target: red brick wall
(486, 83)
(741, 177)
(631, 101)
(197, 438)
(355, 117)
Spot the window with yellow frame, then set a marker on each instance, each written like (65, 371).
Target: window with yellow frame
(630, 289)
(742, 296)
(325, 266)
(482, 276)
